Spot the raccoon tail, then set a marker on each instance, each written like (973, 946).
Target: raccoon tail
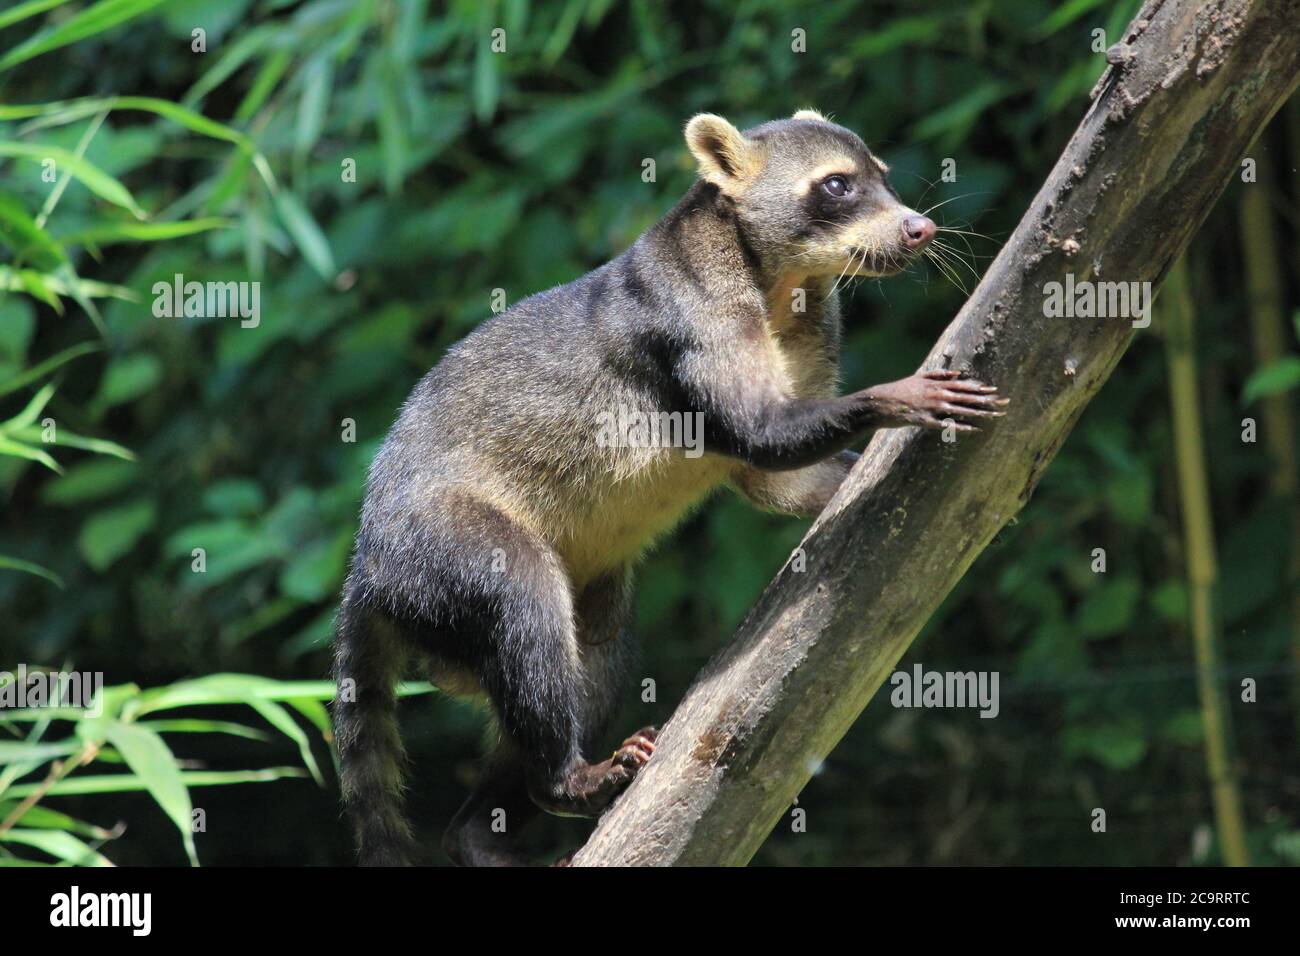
(368, 663)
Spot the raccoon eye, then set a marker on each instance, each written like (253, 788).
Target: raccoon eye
(836, 186)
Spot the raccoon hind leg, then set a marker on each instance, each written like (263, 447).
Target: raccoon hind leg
(511, 619)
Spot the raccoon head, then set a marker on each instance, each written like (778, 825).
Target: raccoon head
(809, 195)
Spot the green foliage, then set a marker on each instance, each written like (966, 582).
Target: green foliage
(112, 729)
(1281, 376)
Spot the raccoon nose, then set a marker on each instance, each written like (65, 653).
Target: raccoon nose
(917, 231)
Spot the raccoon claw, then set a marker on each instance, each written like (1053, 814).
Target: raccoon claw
(589, 788)
(937, 398)
(637, 750)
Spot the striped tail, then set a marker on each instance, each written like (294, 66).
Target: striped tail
(368, 663)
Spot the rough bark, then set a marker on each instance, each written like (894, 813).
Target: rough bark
(1188, 88)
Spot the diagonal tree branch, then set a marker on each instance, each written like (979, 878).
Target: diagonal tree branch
(1190, 85)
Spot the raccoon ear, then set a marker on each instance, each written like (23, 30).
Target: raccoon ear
(809, 115)
(725, 157)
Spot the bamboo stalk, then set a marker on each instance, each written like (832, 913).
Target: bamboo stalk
(1202, 565)
(1261, 254)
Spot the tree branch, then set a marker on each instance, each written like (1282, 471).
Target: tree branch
(1189, 87)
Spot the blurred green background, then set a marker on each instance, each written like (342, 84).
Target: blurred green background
(520, 170)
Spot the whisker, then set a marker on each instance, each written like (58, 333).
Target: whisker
(836, 284)
(966, 232)
(954, 261)
(953, 199)
(853, 263)
(966, 242)
(953, 254)
(930, 184)
(945, 269)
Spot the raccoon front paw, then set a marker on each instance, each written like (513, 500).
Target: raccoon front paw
(936, 399)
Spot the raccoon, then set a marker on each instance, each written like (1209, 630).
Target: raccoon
(504, 517)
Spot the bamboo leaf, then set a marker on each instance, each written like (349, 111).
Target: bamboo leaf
(263, 84)
(90, 480)
(129, 782)
(12, 751)
(38, 287)
(29, 412)
(112, 533)
(319, 78)
(314, 711)
(12, 281)
(194, 726)
(235, 56)
(17, 564)
(64, 437)
(281, 720)
(60, 845)
(239, 688)
(19, 450)
(87, 23)
(37, 817)
(91, 176)
(28, 241)
(307, 235)
(183, 116)
(1065, 14)
(151, 760)
(25, 10)
(1280, 376)
(41, 369)
(111, 233)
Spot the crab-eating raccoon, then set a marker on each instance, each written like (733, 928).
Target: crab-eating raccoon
(504, 515)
